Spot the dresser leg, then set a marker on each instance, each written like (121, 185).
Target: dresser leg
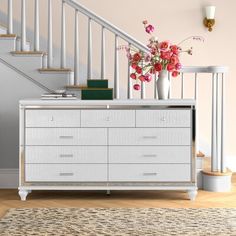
(23, 194)
(108, 192)
(192, 194)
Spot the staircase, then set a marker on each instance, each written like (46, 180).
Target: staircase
(27, 59)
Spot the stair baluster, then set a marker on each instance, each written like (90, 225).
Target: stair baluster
(76, 53)
(63, 36)
(103, 68)
(50, 59)
(36, 25)
(130, 89)
(116, 71)
(23, 26)
(89, 72)
(10, 18)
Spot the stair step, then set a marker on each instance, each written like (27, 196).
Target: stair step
(97, 94)
(95, 83)
(55, 70)
(28, 53)
(8, 36)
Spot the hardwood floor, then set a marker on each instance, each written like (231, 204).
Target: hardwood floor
(10, 199)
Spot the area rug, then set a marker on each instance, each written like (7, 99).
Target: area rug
(119, 221)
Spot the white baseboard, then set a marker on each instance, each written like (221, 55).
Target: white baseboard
(9, 178)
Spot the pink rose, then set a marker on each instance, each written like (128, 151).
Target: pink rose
(133, 76)
(170, 67)
(166, 55)
(174, 60)
(141, 78)
(175, 73)
(139, 70)
(178, 66)
(136, 87)
(148, 78)
(158, 67)
(174, 49)
(164, 46)
(149, 29)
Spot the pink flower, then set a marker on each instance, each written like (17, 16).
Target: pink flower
(134, 65)
(149, 29)
(133, 76)
(148, 57)
(139, 69)
(148, 78)
(136, 87)
(166, 55)
(158, 67)
(141, 78)
(174, 60)
(170, 67)
(164, 46)
(178, 66)
(137, 57)
(175, 73)
(174, 49)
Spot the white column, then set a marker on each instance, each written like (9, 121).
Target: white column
(213, 127)
(10, 18)
(36, 25)
(89, 72)
(223, 168)
(103, 68)
(116, 71)
(50, 34)
(23, 26)
(76, 55)
(182, 85)
(63, 36)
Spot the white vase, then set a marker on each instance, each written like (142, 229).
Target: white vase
(163, 85)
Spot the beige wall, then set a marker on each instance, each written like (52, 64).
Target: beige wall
(174, 20)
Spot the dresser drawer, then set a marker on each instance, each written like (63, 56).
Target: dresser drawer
(149, 136)
(107, 118)
(52, 118)
(149, 154)
(149, 172)
(65, 172)
(65, 154)
(163, 118)
(66, 136)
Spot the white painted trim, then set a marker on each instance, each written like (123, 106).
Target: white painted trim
(9, 178)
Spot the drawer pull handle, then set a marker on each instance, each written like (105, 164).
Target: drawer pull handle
(66, 174)
(66, 137)
(66, 155)
(150, 174)
(149, 137)
(149, 155)
(108, 118)
(52, 118)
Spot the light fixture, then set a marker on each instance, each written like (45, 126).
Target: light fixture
(209, 20)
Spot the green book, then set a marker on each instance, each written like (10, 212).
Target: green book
(97, 94)
(95, 83)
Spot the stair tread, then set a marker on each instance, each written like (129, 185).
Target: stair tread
(28, 53)
(8, 35)
(55, 70)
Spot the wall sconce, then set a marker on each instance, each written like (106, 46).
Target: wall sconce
(209, 20)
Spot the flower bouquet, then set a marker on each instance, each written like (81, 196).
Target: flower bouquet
(161, 58)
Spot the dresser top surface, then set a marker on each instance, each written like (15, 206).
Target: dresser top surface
(118, 102)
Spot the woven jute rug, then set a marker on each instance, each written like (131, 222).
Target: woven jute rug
(118, 221)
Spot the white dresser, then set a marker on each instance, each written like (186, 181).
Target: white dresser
(107, 145)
